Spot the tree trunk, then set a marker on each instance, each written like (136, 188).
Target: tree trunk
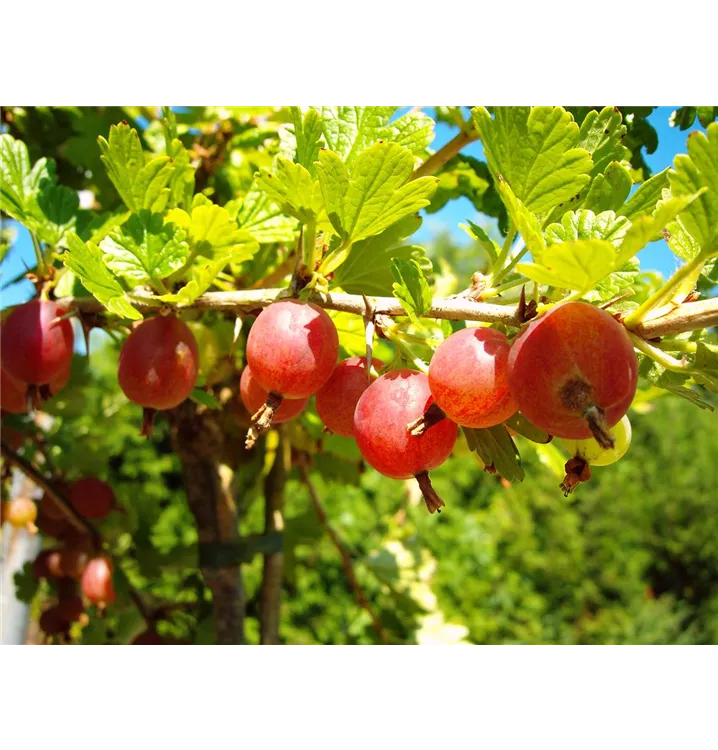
(198, 441)
(270, 595)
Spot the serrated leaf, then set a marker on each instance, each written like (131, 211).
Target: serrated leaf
(411, 288)
(140, 185)
(292, 188)
(86, 261)
(534, 149)
(586, 225)
(523, 219)
(204, 398)
(643, 201)
(349, 130)
(520, 424)
(302, 140)
(675, 382)
(705, 367)
(463, 176)
(58, 206)
(19, 183)
(495, 447)
(145, 249)
(609, 191)
(647, 229)
(367, 268)
(575, 265)
(601, 134)
(691, 173)
(263, 219)
(377, 195)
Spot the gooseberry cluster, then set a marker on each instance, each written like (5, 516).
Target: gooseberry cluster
(572, 373)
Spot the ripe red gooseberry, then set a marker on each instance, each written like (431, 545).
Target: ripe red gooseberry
(254, 396)
(97, 581)
(467, 376)
(573, 372)
(337, 399)
(91, 497)
(380, 419)
(292, 350)
(36, 344)
(158, 366)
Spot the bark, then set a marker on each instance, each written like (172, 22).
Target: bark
(198, 441)
(270, 595)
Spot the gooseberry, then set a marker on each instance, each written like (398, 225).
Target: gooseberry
(91, 497)
(21, 512)
(254, 396)
(97, 581)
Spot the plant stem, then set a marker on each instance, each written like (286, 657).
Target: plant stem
(309, 247)
(39, 256)
(663, 359)
(496, 290)
(346, 557)
(673, 345)
(504, 254)
(448, 151)
(665, 293)
(520, 251)
(270, 593)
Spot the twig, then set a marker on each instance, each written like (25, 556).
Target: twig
(447, 152)
(346, 558)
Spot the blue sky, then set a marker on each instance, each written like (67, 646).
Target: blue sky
(656, 256)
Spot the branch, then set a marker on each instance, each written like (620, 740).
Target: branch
(249, 300)
(448, 151)
(690, 316)
(77, 520)
(346, 558)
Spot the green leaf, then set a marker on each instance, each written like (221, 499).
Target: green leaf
(575, 265)
(411, 288)
(145, 249)
(292, 188)
(601, 134)
(367, 268)
(414, 130)
(524, 220)
(140, 185)
(705, 367)
(682, 117)
(303, 138)
(520, 424)
(204, 398)
(534, 149)
(377, 195)
(19, 184)
(476, 232)
(609, 191)
(495, 447)
(586, 225)
(263, 219)
(58, 206)
(691, 173)
(706, 115)
(214, 241)
(462, 176)
(643, 201)
(647, 229)
(86, 261)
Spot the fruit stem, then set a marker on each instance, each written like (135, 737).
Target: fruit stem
(432, 500)
(665, 293)
(429, 418)
(262, 420)
(594, 416)
(663, 359)
(309, 249)
(148, 422)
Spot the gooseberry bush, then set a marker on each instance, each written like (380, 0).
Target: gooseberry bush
(250, 280)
